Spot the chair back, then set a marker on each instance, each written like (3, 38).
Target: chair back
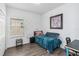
(68, 40)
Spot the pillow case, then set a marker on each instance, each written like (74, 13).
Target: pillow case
(49, 34)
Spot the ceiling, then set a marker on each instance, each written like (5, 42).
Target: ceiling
(37, 8)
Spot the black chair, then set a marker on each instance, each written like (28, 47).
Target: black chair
(68, 40)
(71, 52)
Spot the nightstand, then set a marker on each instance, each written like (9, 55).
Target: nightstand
(32, 39)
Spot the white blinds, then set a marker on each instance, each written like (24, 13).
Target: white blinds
(16, 27)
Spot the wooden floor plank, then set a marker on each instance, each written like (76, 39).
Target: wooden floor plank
(32, 49)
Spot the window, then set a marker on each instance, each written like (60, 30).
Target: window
(16, 27)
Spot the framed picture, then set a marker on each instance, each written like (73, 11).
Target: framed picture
(56, 22)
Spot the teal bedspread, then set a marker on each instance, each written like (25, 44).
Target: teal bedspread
(49, 43)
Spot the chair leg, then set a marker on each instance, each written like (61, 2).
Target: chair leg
(67, 51)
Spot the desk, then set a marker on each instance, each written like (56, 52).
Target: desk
(32, 39)
(74, 45)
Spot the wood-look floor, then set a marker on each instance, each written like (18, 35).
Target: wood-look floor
(32, 49)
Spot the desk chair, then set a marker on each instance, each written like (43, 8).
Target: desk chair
(71, 52)
(68, 40)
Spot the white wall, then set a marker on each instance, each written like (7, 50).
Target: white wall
(34, 22)
(70, 22)
(31, 23)
(2, 28)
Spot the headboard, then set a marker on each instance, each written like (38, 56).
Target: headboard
(37, 33)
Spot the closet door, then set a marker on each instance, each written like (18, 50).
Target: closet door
(2, 32)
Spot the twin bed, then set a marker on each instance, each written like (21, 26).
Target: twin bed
(49, 41)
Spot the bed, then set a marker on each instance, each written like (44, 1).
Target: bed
(49, 41)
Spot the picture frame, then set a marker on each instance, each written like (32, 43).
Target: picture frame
(56, 22)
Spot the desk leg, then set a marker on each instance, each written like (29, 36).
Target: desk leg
(67, 51)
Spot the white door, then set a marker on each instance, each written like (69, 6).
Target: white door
(2, 33)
